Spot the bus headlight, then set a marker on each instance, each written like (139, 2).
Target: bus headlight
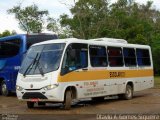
(19, 88)
(49, 87)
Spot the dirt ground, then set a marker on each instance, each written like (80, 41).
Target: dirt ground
(144, 102)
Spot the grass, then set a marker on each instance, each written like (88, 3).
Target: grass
(157, 82)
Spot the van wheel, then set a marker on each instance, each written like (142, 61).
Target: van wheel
(30, 104)
(128, 93)
(4, 89)
(68, 100)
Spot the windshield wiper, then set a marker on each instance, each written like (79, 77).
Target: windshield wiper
(39, 66)
(29, 67)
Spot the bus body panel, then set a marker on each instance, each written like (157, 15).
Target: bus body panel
(85, 88)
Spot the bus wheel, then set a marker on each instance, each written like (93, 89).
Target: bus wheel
(30, 104)
(128, 93)
(68, 100)
(4, 89)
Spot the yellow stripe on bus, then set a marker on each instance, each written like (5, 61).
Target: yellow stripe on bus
(103, 74)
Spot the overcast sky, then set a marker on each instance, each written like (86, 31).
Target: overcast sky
(55, 8)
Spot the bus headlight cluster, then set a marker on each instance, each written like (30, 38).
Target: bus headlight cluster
(49, 87)
(19, 88)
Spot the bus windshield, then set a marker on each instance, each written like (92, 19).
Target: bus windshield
(42, 59)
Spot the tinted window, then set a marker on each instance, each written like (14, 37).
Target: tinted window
(115, 56)
(143, 57)
(76, 57)
(129, 56)
(98, 56)
(9, 48)
(32, 39)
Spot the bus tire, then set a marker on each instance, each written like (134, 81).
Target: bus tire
(128, 93)
(68, 100)
(30, 104)
(4, 90)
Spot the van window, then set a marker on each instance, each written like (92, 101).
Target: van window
(129, 56)
(98, 56)
(143, 57)
(76, 57)
(9, 48)
(115, 57)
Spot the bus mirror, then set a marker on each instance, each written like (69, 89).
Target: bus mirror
(64, 70)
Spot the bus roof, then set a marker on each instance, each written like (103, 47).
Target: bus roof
(12, 37)
(94, 42)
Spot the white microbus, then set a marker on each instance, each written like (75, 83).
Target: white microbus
(66, 69)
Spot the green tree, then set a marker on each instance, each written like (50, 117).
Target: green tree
(156, 53)
(30, 18)
(123, 19)
(54, 26)
(134, 21)
(14, 32)
(89, 18)
(5, 33)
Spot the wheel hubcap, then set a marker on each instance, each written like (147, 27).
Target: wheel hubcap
(129, 93)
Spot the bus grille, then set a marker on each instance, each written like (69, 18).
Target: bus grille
(32, 95)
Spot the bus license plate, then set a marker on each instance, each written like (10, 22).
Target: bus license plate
(34, 100)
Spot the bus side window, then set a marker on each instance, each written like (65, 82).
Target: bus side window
(115, 57)
(143, 57)
(10, 48)
(98, 56)
(129, 57)
(76, 57)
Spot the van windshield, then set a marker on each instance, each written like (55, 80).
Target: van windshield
(42, 59)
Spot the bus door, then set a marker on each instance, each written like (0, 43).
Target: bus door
(75, 65)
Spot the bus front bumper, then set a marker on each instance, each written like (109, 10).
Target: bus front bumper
(39, 95)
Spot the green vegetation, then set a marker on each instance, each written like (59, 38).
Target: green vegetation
(30, 18)
(157, 82)
(7, 33)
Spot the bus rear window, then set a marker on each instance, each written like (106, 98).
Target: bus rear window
(143, 57)
(9, 48)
